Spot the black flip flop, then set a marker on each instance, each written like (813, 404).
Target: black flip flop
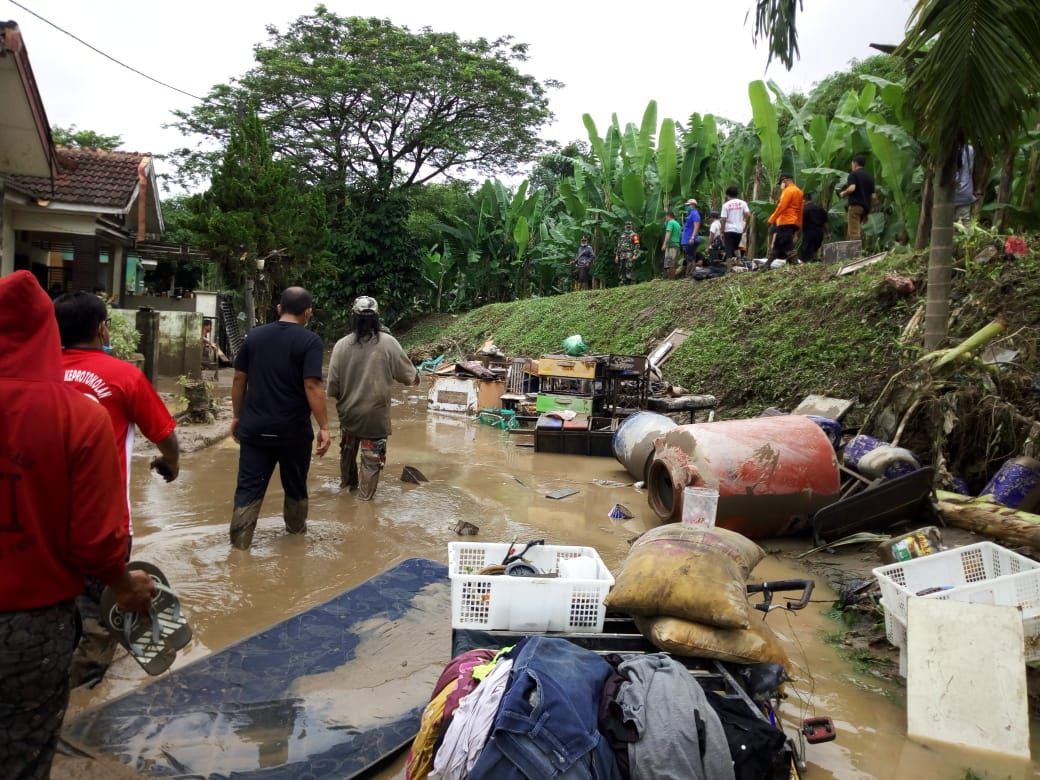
(153, 639)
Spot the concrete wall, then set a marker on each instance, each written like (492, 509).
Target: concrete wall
(179, 343)
(160, 302)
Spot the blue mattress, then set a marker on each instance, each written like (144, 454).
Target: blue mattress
(295, 700)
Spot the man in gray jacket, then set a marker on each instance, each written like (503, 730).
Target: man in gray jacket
(364, 366)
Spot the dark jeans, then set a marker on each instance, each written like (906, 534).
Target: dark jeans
(256, 462)
(731, 241)
(35, 652)
(783, 242)
(585, 277)
(547, 722)
(812, 240)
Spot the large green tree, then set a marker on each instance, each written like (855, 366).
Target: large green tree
(363, 101)
(976, 77)
(257, 209)
(366, 111)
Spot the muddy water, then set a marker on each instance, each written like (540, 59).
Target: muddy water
(477, 474)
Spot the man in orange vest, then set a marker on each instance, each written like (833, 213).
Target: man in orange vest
(786, 219)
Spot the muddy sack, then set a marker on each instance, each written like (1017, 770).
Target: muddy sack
(679, 571)
(755, 644)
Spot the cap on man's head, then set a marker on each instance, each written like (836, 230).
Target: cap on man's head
(366, 305)
(691, 202)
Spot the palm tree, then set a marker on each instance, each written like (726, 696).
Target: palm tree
(975, 82)
(975, 74)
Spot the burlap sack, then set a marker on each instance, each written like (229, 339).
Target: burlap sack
(756, 644)
(690, 573)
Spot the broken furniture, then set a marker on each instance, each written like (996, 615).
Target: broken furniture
(570, 384)
(626, 383)
(664, 350)
(582, 435)
(684, 403)
(879, 507)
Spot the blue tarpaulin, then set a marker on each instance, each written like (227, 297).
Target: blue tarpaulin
(324, 694)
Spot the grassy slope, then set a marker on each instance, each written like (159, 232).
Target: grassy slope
(757, 339)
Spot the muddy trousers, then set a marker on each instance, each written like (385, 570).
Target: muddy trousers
(35, 652)
(857, 216)
(364, 477)
(97, 646)
(256, 463)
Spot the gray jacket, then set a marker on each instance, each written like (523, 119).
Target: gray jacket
(660, 698)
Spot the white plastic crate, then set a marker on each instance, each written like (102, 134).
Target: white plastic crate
(983, 573)
(500, 602)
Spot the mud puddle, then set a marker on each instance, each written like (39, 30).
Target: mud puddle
(476, 474)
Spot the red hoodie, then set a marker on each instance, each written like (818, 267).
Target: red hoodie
(61, 494)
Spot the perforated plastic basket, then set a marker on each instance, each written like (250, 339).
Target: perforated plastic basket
(500, 602)
(983, 573)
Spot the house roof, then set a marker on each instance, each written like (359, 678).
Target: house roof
(25, 136)
(89, 177)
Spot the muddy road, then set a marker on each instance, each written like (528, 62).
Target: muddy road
(477, 474)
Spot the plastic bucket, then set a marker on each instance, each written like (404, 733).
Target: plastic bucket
(700, 507)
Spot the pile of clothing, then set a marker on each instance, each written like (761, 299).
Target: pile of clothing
(546, 708)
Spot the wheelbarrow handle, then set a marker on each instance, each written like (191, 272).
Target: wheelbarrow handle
(767, 589)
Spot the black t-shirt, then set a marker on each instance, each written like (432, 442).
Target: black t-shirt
(277, 358)
(814, 218)
(864, 188)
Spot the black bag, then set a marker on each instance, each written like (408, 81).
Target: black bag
(754, 745)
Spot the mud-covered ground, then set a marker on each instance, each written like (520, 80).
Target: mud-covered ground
(481, 475)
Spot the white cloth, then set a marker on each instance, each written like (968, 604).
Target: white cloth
(715, 231)
(470, 726)
(733, 212)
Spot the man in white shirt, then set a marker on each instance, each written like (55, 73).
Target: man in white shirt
(715, 237)
(735, 214)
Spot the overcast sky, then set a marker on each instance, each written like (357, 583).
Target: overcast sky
(689, 56)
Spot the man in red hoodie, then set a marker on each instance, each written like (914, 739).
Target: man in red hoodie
(62, 517)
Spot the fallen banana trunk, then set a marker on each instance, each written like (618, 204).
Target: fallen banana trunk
(1007, 525)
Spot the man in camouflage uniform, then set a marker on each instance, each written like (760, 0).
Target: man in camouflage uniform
(626, 253)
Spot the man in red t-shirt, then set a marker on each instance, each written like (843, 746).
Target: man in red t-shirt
(61, 519)
(129, 398)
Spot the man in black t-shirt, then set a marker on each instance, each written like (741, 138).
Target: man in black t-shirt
(859, 189)
(814, 225)
(277, 387)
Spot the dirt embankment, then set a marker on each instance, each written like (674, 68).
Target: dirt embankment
(766, 339)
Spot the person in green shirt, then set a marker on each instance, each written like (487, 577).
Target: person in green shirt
(670, 245)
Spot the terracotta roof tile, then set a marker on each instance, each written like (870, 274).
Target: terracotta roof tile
(88, 177)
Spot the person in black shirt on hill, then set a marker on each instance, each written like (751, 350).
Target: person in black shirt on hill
(859, 189)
